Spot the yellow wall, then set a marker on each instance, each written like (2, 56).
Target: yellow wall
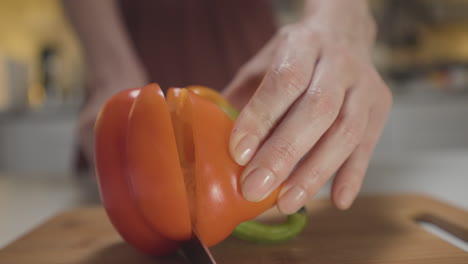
(26, 26)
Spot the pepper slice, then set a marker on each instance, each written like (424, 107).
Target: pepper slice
(213, 174)
(154, 170)
(111, 166)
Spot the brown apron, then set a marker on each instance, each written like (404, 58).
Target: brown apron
(183, 42)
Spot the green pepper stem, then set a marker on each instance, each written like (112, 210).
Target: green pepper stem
(277, 233)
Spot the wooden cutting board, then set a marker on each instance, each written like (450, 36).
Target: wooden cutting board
(380, 230)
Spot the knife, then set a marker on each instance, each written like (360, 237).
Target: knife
(196, 252)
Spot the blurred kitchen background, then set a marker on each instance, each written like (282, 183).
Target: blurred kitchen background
(422, 52)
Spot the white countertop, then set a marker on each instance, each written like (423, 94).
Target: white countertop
(442, 175)
(27, 201)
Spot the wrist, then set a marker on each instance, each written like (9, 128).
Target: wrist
(314, 7)
(346, 18)
(117, 77)
(115, 70)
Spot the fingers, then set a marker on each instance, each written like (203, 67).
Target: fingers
(328, 154)
(287, 78)
(348, 180)
(299, 130)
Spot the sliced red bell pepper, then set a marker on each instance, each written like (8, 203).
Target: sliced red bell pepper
(164, 168)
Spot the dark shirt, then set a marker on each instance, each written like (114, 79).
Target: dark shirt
(201, 42)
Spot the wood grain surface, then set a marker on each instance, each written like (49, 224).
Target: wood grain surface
(378, 229)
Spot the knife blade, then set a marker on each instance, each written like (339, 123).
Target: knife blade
(196, 252)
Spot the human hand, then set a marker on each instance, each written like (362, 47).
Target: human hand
(320, 108)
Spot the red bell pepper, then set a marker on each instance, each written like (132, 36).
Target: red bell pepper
(164, 169)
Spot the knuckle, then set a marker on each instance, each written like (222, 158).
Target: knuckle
(289, 78)
(266, 121)
(313, 94)
(281, 72)
(262, 119)
(296, 85)
(255, 119)
(310, 182)
(324, 103)
(350, 131)
(355, 173)
(286, 151)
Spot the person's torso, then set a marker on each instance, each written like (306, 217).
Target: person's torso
(204, 42)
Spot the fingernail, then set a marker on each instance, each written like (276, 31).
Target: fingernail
(245, 149)
(345, 197)
(258, 184)
(292, 200)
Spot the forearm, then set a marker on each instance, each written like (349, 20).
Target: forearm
(112, 63)
(106, 44)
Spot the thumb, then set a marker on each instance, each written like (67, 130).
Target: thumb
(239, 91)
(244, 84)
